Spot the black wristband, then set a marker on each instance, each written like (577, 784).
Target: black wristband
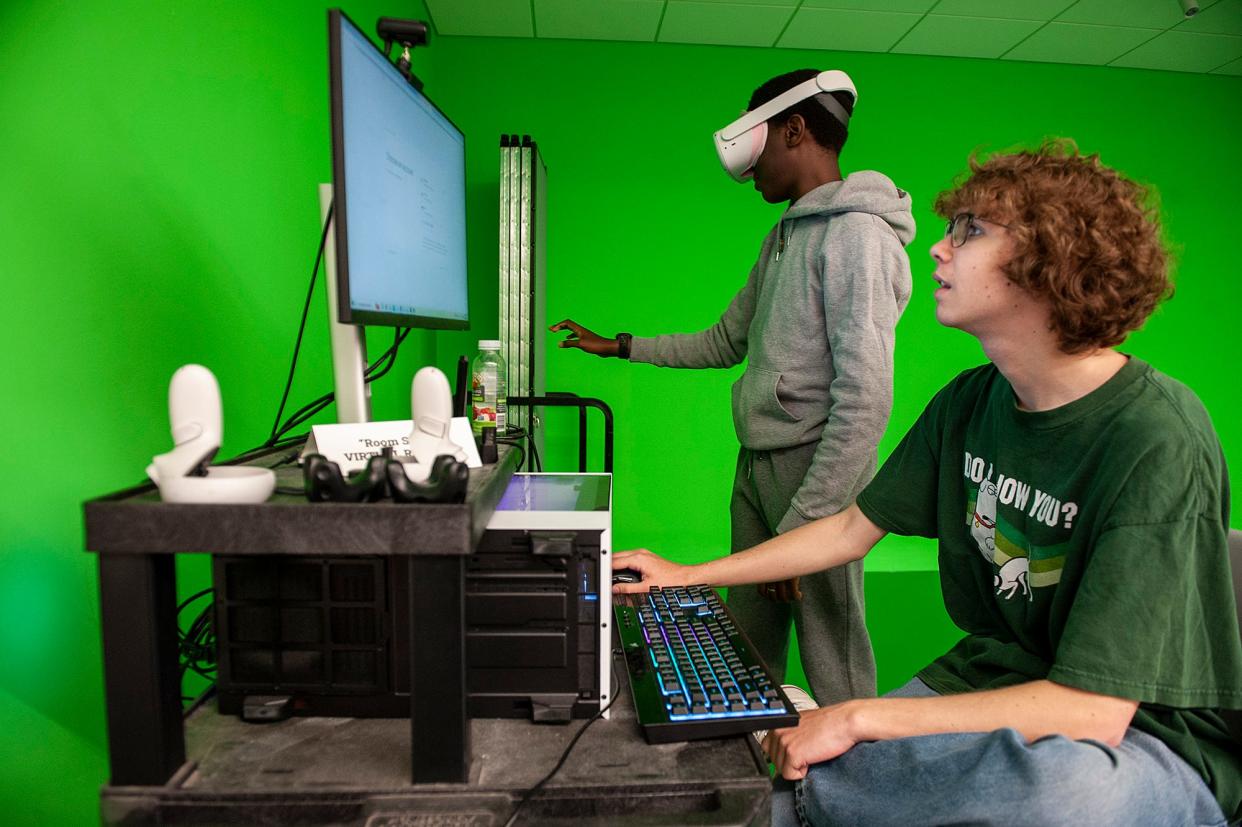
(623, 345)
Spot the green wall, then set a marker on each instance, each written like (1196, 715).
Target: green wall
(159, 208)
(648, 235)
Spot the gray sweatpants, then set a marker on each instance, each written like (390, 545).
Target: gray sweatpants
(830, 618)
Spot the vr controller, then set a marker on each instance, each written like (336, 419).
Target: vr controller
(385, 477)
(431, 408)
(185, 474)
(438, 474)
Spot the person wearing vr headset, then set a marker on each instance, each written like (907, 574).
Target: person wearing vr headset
(1081, 504)
(815, 323)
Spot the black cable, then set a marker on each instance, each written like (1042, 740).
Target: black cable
(181, 606)
(534, 452)
(261, 449)
(309, 409)
(196, 647)
(377, 369)
(288, 459)
(516, 432)
(305, 413)
(374, 371)
(512, 443)
(297, 347)
(564, 756)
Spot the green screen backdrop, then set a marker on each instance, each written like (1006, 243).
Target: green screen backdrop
(159, 208)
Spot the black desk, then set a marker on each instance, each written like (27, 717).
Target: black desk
(345, 771)
(352, 771)
(136, 536)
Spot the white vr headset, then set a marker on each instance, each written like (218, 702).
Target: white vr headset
(740, 143)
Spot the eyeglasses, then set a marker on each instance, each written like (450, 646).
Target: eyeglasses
(958, 230)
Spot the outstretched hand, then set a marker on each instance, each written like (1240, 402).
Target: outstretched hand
(655, 570)
(584, 339)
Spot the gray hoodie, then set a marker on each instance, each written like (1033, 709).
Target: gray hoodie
(815, 323)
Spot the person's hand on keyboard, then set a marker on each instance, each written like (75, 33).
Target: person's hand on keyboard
(782, 591)
(655, 571)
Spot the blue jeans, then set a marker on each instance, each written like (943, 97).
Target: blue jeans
(998, 778)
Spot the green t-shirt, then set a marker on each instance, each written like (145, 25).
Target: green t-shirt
(1086, 545)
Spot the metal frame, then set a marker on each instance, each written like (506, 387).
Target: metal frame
(571, 400)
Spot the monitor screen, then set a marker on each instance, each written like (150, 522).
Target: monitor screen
(399, 202)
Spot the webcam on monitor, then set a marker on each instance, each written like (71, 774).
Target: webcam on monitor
(409, 33)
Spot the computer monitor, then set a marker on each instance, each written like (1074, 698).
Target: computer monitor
(397, 255)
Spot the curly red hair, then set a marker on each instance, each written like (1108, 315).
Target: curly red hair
(1084, 237)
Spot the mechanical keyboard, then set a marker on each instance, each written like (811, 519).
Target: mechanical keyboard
(693, 672)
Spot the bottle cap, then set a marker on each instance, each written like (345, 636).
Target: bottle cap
(489, 344)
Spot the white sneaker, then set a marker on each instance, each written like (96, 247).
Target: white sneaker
(801, 701)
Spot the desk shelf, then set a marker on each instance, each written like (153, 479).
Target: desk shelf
(136, 537)
(347, 771)
(135, 521)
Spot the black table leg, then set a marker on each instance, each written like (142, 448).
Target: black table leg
(138, 615)
(440, 730)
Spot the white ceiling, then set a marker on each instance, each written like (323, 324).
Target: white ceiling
(1147, 34)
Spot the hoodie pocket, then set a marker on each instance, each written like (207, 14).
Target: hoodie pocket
(758, 415)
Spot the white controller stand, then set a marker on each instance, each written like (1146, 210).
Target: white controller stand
(431, 408)
(184, 475)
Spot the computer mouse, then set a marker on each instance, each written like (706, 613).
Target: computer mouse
(627, 576)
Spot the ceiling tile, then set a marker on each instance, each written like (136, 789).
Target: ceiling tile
(1076, 43)
(1234, 68)
(598, 19)
(723, 24)
(481, 18)
(909, 6)
(1142, 14)
(790, 3)
(965, 36)
(1183, 52)
(852, 31)
(1223, 18)
(1013, 9)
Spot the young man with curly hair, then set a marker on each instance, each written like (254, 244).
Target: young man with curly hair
(1080, 501)
(815, 323)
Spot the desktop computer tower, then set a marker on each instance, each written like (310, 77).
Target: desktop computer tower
(332, 633)
(532, 614)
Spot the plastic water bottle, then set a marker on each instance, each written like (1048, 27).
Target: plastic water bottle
(488, 398)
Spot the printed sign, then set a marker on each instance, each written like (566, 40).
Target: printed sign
(351, 445)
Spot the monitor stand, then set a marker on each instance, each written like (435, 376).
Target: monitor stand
(349, 342)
